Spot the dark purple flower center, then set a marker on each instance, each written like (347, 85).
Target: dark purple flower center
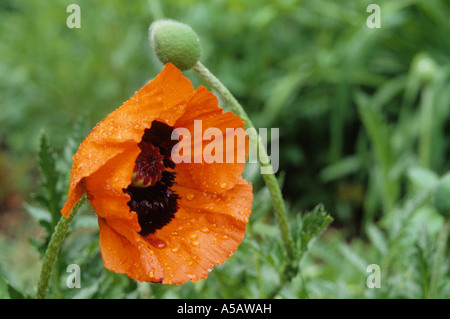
(151, 197)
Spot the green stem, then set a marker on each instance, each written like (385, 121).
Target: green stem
(439, 257)
(53, 249)
(263, 158)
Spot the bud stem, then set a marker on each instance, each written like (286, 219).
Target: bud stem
(269, 179)
(53, 249)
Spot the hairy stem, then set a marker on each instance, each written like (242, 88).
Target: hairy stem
(53, 249)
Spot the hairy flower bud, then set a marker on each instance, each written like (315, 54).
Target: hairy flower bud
(175, 42)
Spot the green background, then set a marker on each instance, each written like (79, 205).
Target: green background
(363, 116)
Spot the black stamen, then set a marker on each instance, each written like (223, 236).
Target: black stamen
(155, 205)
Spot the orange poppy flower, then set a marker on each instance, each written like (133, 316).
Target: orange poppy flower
(160, 221)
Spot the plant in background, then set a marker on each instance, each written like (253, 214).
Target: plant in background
(441, 201)
(363, 117)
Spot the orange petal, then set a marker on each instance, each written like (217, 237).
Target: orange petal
(218, 176)
(124, 251)
(105, 187)
(161, 99)
(206, 230)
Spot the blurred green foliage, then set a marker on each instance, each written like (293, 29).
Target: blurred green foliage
(363, 117)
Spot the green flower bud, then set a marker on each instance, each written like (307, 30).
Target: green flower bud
(442, 197)
(175, 42)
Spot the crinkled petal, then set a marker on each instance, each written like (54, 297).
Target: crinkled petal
(124, 251)
(162, 99)
(206, 230)
(225, 170)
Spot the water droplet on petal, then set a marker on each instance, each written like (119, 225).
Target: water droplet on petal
(225, 237)
(192, 277)
(223, 185)
(205, 230)
(193, 236)
(195, 243)
(190, 196)
(158, 243)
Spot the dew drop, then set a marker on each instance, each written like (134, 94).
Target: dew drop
(190, 196)
(193, 236)
(223, 185)
(158, 243)
(225, 237)
(174, 249)
(192, 277)
(195, 243)
(151, 274)
(205, 230)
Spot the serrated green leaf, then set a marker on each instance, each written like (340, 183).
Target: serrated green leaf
(50, 177)
(47, 163)
(312, 225)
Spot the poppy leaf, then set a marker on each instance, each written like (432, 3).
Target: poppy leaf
(50, 177)
(313, 224)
